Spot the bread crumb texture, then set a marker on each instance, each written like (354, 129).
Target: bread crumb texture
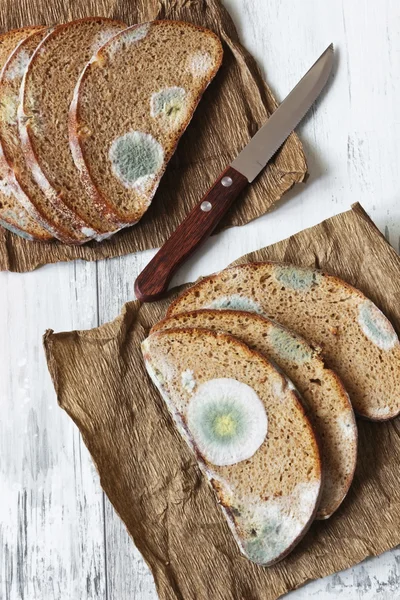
(248, 432)
(355, 337)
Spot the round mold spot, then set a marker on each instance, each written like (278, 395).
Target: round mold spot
(136, 157)
(376, 326)
(169, 103)
(296, 278)
(236, 302)
(227, 420)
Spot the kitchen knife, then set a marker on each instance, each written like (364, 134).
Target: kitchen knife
(153, 281)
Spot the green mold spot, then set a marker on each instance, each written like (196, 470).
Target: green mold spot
(376, 326)
(136, 157)
(227, 420)
(296, 278)
(288, 346)
(168, 102)
(236, 302)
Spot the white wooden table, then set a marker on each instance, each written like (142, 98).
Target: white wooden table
(59, 536)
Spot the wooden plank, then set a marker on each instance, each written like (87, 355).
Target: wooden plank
(127, 574)
(51, 504)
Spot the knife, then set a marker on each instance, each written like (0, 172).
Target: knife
(153, 281)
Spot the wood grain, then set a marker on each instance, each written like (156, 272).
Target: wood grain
(352, 145)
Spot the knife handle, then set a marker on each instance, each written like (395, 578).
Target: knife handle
(153, 281)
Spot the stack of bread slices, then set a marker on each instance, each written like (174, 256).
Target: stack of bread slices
(91, 113)
(262, 366)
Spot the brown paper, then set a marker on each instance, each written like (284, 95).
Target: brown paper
(153, 480)
(233, 108)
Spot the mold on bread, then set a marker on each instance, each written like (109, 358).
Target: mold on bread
(13, 215)
(236, 302)
(154, 109)
(270, 498)
(357, 340)
(325, 397)
(136, 158)
(46, 95)
(376, 326)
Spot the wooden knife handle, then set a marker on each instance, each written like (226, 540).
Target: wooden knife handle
(153, 281)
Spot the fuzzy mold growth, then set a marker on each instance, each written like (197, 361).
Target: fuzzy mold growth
(135, 157)
(227, 421)
(376, 326)
(236, 302)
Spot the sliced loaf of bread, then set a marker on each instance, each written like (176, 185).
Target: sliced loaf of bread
(328, 405)
(249, 432)
(132, 104)
(13, 216)
(46, 94)
(357, 340)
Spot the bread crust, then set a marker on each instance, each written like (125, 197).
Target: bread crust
(109, 211)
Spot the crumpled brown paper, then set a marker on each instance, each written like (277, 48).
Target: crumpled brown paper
(153, 480)
(233, 108)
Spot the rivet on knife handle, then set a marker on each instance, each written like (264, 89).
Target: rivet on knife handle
(153, 281)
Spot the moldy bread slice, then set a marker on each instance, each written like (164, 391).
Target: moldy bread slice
(251, 437)
(358, 342)
(46, 95)
(328, 405)
(131, 106)
(13, 216)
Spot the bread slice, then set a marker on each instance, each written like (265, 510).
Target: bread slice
(46, 94)
(131, 106)
(357, 340)
(12, 215)
(327, 402)
(249, 432)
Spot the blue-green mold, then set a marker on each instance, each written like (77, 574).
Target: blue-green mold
(296, 278)
(236, 302)
(136, 157)
(289, 346)
(376, 326)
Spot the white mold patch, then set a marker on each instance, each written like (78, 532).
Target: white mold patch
(296, 278)
(170, 104)
(227, 420)
(188, 380)
(5, 188)
(18, 66)
(9, 108)
(128, 37)
(235, 302)
(88, 232)
(200, 64)
(102, 38)
(136, 158)
(376, 326)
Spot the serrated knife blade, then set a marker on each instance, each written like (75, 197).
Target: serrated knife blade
(199, 224)
(263, 145)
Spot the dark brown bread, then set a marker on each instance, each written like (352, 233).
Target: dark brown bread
(268, 480)
(43, 122)
(131, 105)
(357, 340)
(328, 404)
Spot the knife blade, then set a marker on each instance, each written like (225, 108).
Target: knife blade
(152, 283)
